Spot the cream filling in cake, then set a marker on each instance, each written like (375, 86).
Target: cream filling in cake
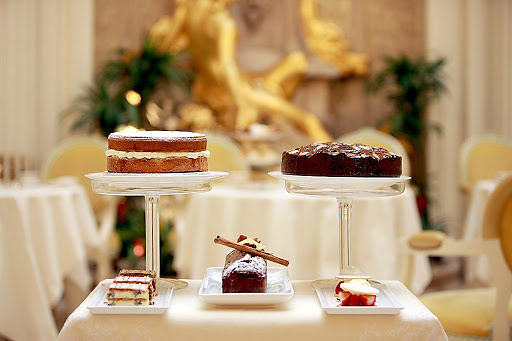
(156, 155)
(133, 279)
(156, 134)
(137, 291)
(127, 302)
(129, 294)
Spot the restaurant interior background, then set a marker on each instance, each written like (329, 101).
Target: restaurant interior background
(428, 79)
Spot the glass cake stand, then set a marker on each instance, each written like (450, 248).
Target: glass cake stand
(345, 190)
(152, 186)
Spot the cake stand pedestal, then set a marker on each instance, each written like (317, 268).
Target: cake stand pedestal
(152, 186)
(345, 190)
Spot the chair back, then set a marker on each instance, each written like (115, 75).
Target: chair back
(225, 155)
(76, 157)
(483, 157)
(497, 221)
(374, 137)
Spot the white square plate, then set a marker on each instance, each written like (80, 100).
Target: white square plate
(279, 290)
(386, 303)
(97, 301)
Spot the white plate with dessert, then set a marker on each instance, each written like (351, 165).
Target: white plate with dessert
(356, 297)
(132, 292)
(278, 290)
(245, 279)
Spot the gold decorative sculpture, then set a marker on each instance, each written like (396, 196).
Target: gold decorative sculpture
(208, 31)
(327, 42)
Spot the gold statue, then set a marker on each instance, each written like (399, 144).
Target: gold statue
(208, 31)
(327, 42)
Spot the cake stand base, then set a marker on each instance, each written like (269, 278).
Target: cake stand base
(344, 189)
(152, 186)
(351, 272)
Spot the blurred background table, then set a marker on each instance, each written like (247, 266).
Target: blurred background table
(44, 232)
(301, 318)
(302, 229)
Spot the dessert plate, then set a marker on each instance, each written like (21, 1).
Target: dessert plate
(279, 290)
(153, 183)
(96, 301)
(386, 304)
(339, 186)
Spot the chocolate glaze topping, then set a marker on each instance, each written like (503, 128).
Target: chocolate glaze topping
(341, 159)
(350, 150)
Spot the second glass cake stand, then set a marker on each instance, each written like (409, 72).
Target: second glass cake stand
(152, 186)
(345, 190)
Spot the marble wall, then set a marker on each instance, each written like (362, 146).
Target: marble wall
(374, 27)
(123, 24)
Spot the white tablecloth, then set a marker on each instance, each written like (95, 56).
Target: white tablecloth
(301, 318)
(478, 267)
(44, 230)
(303, 229)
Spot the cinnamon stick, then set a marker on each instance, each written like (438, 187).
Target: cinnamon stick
(223, 241)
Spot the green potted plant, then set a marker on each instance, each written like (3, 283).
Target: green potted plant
(411, 85)
(125, 86)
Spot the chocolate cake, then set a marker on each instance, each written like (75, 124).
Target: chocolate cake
(244, 272)
(341, 159)
(157, 152)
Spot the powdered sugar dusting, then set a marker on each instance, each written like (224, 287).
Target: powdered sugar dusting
(356, 150)
(155, 134)
(248, 264)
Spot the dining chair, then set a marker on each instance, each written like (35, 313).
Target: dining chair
(374, 137)
(225, 155)
(483, 313)
(483, 157)
(76, 157)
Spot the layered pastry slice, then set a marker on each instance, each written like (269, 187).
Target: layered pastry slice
(132, 288)
(138, 280)
(157, 152)
(141, 274)
(356, 292)
(128, 294)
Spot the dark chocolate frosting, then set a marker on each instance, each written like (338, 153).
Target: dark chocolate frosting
(335, 148)
(341, 159)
